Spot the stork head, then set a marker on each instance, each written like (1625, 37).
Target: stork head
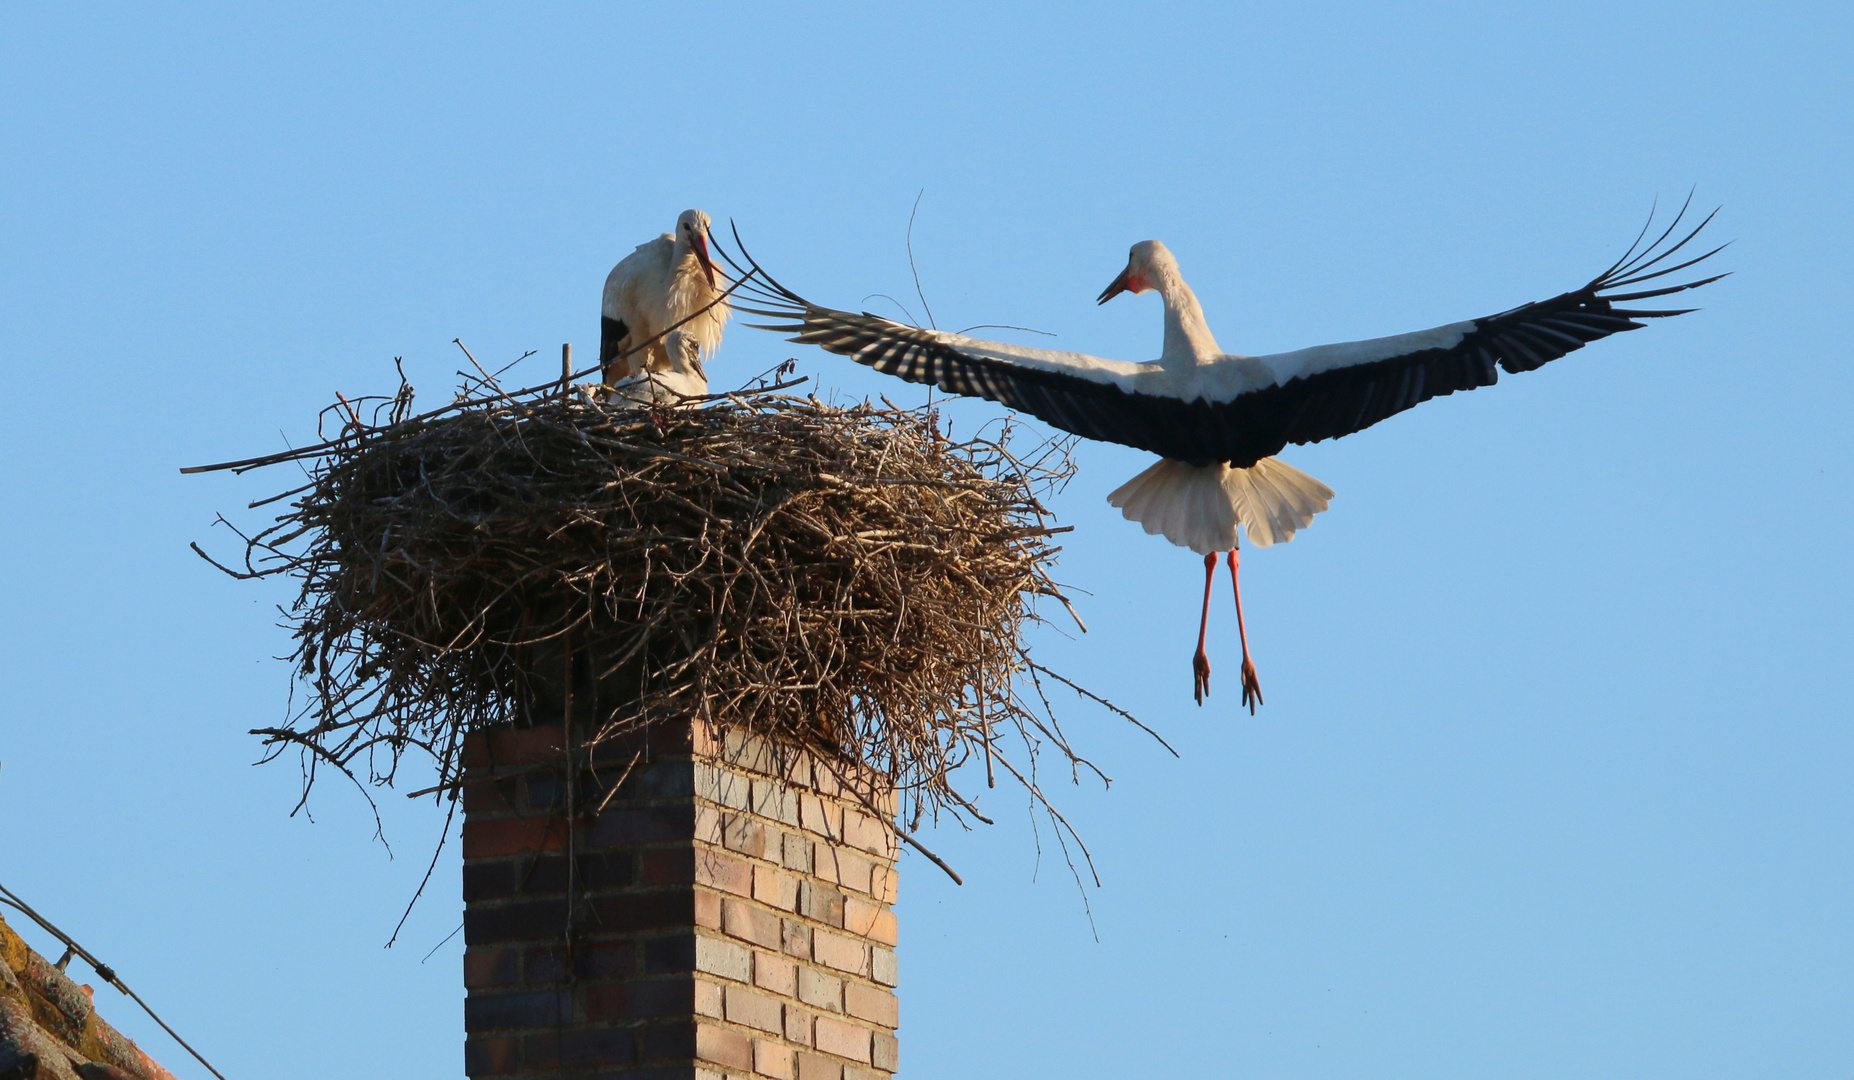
(685, 353)
(1145, 263)
(692, 232)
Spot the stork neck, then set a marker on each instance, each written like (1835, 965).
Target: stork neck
(1187, 336)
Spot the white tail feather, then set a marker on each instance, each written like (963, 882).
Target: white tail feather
(1199, 507)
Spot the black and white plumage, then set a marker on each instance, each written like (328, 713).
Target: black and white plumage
(1217, 418)
(666, 283)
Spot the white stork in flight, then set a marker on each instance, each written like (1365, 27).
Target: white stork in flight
(657, 287)
(1215, 418)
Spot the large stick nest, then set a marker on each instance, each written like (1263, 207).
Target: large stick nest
(848, 579)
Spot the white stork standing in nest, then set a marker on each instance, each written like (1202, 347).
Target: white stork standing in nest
(1215, 418)
(660, 285)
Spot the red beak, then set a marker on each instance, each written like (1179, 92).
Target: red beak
(701, 256)
(1114, 287)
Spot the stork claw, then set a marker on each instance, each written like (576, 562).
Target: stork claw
(1251, 686)
(1200, 670)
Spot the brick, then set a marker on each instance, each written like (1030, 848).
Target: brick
(666, 780)
(846, 868)
(796, 769)
(840, 952)
(540, 966)
(795, 852)
(668, 866)
(828, 780)
(646, 825)
(543, 791)
(533, 920)
(604, 959)
(723, 958)
(666, 954)
(547, 874)
(882, 966)
(629, 749)
(528, 1008)
(775, 888)
(511, 746)
(665, 1042)
(871, 1003)
(475, 754)
(742, 833)
(745, 750)
(814, 1067)
(819, 816)
(773, 799)
(495, 880)
(607, 870)
(541, 874)
(749, 922)
(622, 912)
(870, 920)
(723, 787)
(843, 1039)
(797, 1026)
(596, 1046)
(638, 998)
(857, 1072)
(754, 1010)
(489, 798)
(724, 872)
(822, 902)
(538, 1052)
(708, 824)
(774, 1059)
(491, 967)
(867, 833)
(885, 1052)
(795, 938)
(512, 836)
(775, 973)
(819, 990)
(883, 882)
(723, 1047)
(707, 909)
(492, 1056)
(708, 998)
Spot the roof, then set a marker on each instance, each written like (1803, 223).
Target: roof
(49, 1027)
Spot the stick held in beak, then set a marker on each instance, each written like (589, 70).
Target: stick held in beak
(1114, 287)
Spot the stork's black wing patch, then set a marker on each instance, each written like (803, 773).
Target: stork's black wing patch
(1261, 422)
(612, 333)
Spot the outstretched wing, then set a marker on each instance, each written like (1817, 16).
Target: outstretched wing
(1242, 409)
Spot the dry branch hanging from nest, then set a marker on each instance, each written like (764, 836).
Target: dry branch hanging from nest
(848, 579)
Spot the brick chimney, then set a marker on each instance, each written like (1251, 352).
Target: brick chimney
(674, 904)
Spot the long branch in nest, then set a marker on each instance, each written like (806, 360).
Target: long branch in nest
(851, 580)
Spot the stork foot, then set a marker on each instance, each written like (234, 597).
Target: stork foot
(1251, 686)
(1200, 671)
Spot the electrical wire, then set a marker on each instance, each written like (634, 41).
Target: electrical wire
(104, 971)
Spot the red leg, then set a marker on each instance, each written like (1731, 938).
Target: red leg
(1200, 664)
(1251, 687)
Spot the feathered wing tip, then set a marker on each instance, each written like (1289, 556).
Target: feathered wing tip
(1199, 507)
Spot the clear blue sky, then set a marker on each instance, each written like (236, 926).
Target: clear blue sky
(1554, 775)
